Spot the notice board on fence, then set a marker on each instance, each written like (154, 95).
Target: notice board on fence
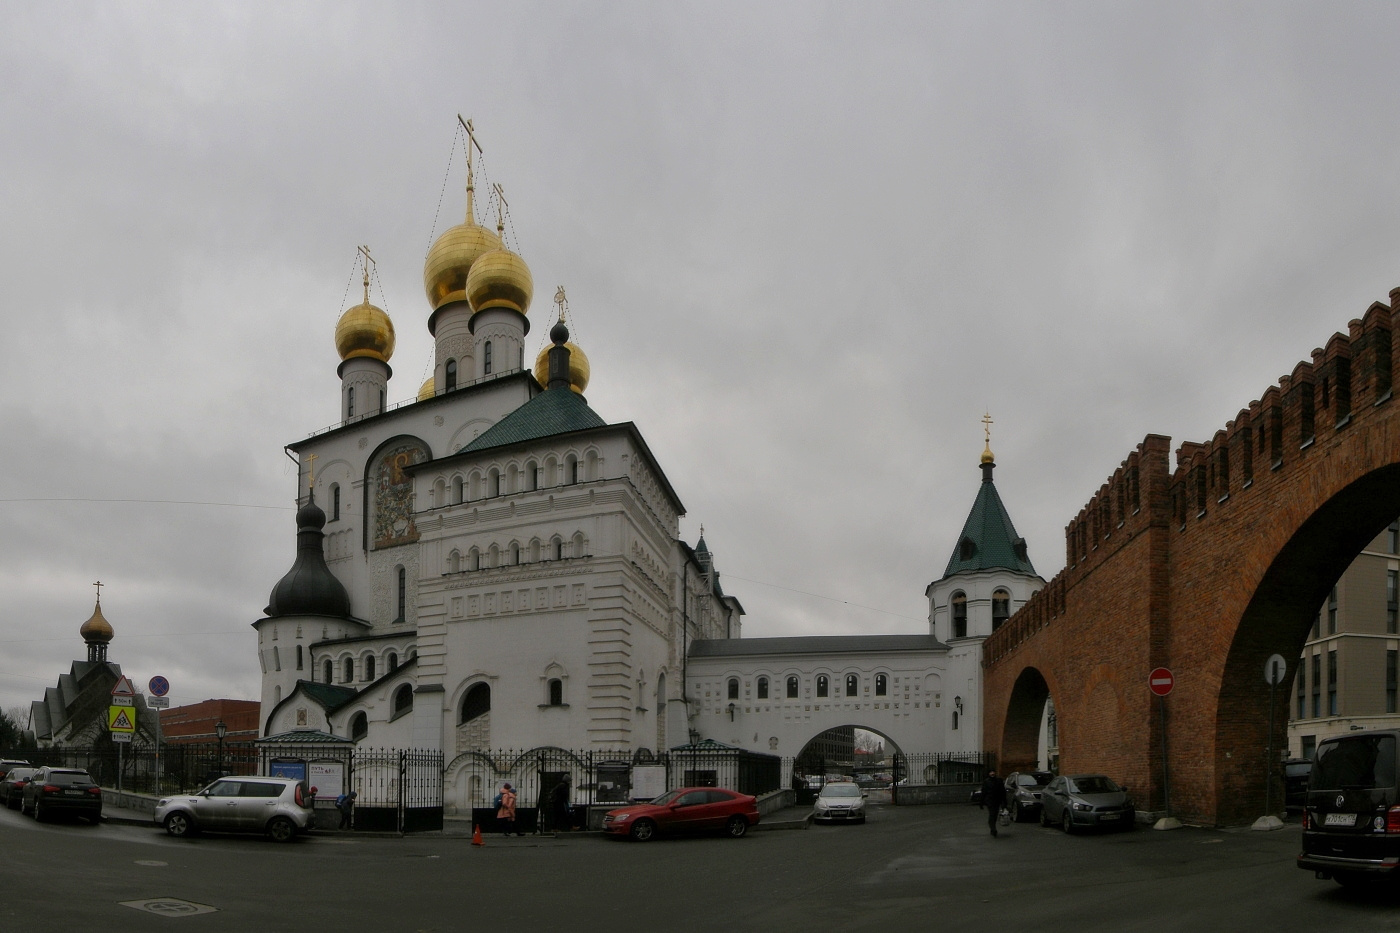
(648, 781)
(328, 777)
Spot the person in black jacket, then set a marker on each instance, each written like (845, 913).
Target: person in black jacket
(993, 798)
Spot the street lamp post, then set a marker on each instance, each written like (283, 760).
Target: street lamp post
(220, 730)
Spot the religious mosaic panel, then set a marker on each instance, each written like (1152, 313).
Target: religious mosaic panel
(393, 496)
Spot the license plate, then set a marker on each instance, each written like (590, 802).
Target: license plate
(1340, 819)
(1109, 816)
(74, 793)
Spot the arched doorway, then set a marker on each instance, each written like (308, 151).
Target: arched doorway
(1029, 735)
(853, 753)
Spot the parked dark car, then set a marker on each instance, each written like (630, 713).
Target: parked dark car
(12, 786)
(1023, 790)
(7, 763)
(687, 810)
(1295, 783)
(1351, 818)
(1086, 801)
(55, 791)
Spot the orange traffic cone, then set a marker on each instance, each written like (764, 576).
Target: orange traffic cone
(476, 836)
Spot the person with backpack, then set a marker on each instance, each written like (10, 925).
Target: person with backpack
(345, 803)
(505, 810)
(993, 799)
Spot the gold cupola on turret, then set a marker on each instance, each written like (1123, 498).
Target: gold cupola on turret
(579, 370)
(365, 330)
(451, 258)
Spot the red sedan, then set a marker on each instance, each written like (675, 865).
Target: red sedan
(687, 810)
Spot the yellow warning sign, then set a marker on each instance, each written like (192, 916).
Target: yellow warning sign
(120, 719)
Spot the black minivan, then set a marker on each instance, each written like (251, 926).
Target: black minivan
(1351, 819)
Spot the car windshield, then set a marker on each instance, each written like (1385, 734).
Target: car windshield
(22, 774)
(1361, 762)
(666, 798)
(1094, 784)
(63, 778)
(840, 790)
(1026, 780)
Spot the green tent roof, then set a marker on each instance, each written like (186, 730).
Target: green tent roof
(988, 538)
(555, 411)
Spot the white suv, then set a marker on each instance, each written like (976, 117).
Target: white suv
(279, 807)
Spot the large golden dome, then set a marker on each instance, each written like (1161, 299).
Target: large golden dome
(96, 630)
(578, 368)
(500, 279)
(428, 389)
(365, 330)
(451, 259)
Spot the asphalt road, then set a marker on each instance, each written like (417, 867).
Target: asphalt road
(916, 868)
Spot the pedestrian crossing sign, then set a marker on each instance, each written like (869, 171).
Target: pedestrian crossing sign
(120, 719)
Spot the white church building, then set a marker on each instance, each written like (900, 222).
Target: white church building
(493, 565)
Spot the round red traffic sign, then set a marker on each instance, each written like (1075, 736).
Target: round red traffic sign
(1161, 681)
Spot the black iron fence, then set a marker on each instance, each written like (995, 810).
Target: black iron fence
(143, 769)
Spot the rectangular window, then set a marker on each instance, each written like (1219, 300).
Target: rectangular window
(1393, 533)
(1317, 626)
(1315, 682)
(1392, 659)
(1302, 694)
(1392, 610)
(1332, 612)
(1332, 682)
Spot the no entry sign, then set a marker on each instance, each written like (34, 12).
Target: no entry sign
(1161, 681)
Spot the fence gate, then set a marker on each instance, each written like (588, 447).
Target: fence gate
(397, 790)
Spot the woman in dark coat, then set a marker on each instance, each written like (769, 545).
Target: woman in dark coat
(993, 798)
(559, 805)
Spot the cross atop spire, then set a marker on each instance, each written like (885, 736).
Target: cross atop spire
(364, 262)
(471, 179)
(99, 584)
(311, 470)
(501, 207)
(561, 301)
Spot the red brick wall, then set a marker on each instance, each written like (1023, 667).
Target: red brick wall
(1207, 570)
(195, 722)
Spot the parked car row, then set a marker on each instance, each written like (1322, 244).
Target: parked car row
(49, 792)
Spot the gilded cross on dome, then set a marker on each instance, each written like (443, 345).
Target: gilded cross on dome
(471, 182)
(99, 586)
(987, 427)
(311, 470)
(364, 251)
(561, 301)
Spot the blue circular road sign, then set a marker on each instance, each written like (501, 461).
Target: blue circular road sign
(159, 686)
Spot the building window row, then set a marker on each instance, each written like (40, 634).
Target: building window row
(793, 686)
(366, 666)
(514, 478)
(514, 554)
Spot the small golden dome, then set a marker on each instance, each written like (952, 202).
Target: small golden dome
(428, 389)
(987, 456)
(578, 368)
(451, 259)
(96, 630)
(500, 279)
(365, 330)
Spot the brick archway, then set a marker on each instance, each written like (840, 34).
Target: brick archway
(1207, 569)
(1020, 739)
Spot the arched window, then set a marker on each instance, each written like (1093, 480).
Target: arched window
(486, 358)
(476, 703)
(852, 685)
(402, 602)
(350, 402)
(534, 550)
(571, 470)
(299, 655)
(882, 685)
(955, 719)
(456, 490)
(454, 561)
(439, 493)
(556, 692)
(474, 559)
(369, 668)
(763, 688)
(276, 659)
(532, 476)
(359, 726)
(494, 482)
(823, 685)
(733, 688)
(514, 553)
(580, 549)
(335, 502)
(493, 556)
(557, 546)
(330, 676)
(450, 380)
(1001, 608)
(792, 688)
(393, 661)
(959, 615)
(403, 699)
(349, 670)
(512, 479)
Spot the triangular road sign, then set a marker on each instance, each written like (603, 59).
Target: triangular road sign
(119, 719)
(123, 688)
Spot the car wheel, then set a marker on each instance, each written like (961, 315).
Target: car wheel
(179, 825)
(282, 829)
(737, 827)
(1016, 811)
(38, 811)
(1066, 823)
(1044, 817)
(643, 830)
(23, 809)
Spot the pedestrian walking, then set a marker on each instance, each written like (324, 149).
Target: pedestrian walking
(345, 803)
(559, 805)
(505, 810)
(993, 798)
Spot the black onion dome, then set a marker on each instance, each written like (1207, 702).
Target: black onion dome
(309, 588)
(559, 333)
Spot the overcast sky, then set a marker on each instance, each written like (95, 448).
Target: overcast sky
(806, 247)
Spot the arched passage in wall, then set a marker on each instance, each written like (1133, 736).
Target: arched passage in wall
(1276, 620)
(856, 751)
(1025, 713)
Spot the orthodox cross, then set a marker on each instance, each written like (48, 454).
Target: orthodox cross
(501, 207)
(987, 426)
(311, 470)
(561, 301)
(471, 184)
(99, 585)
(364, 251)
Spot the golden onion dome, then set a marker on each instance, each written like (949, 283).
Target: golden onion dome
(500, 279)
(987, 456)
(450, 260)
(96, 630)
(427, 390)
(365, 330)
(579, 370)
